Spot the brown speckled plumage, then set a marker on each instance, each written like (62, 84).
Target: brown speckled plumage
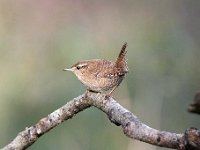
(101, 75)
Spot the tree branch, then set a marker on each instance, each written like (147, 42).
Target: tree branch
(195, 106)
(131, 125)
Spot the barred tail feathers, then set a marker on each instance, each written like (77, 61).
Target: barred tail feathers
(121, 60)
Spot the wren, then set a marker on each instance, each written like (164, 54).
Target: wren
(100, 75)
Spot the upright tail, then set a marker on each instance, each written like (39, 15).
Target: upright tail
(121, 60)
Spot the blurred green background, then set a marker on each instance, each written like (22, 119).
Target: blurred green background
(40, 38)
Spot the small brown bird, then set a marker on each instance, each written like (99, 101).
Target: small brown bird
(100, 75)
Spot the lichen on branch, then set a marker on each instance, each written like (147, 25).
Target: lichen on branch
(131, 125)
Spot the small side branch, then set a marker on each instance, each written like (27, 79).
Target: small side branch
(131, 125)
(195, 106)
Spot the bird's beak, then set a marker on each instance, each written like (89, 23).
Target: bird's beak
(67, 69)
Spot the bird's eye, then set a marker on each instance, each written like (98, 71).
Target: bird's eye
(81, 65)
(78, 67)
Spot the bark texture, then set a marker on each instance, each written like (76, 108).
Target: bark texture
(131, 125)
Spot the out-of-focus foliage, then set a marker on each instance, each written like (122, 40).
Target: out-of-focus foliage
(40, 38)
